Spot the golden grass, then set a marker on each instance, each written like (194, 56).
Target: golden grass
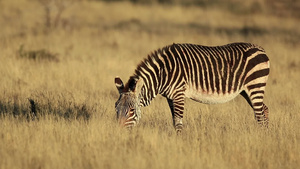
(94, 42)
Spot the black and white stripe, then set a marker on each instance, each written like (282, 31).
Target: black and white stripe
(205, 74)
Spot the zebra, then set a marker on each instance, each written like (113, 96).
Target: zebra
(207, 74)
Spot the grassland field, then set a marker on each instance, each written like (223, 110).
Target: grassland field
(58, 61)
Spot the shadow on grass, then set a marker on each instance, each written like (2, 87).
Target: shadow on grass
(35, 108)
(37, 55)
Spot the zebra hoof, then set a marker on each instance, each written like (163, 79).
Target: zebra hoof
(178, 129)
(264, 124)
(178, 132)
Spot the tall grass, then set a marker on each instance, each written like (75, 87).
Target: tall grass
(60, 114)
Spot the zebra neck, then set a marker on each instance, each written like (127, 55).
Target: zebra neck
(147, 94)
(151, 71)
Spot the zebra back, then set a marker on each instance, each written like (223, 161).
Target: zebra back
(210, 70)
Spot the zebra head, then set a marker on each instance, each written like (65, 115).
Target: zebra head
(128, 106)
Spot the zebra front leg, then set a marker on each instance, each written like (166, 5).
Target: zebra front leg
(177, 109)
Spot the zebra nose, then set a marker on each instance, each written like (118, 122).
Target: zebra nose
(122, 122)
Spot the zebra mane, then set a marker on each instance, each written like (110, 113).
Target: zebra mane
(149, 61)
(130, 85)
(146, 65)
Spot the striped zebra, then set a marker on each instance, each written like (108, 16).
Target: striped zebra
(202, 73)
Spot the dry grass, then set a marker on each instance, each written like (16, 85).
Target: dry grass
(74, 95)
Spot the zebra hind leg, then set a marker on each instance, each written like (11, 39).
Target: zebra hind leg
(266, 115)
(261, 111)
(262, 115)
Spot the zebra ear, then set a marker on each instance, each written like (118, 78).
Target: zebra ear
(119, 84)
(138, 86)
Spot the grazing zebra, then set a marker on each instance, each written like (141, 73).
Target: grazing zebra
(204, 74)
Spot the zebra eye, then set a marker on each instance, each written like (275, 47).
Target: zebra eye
(132, 110)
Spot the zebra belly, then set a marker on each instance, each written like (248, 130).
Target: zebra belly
(209, 98)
